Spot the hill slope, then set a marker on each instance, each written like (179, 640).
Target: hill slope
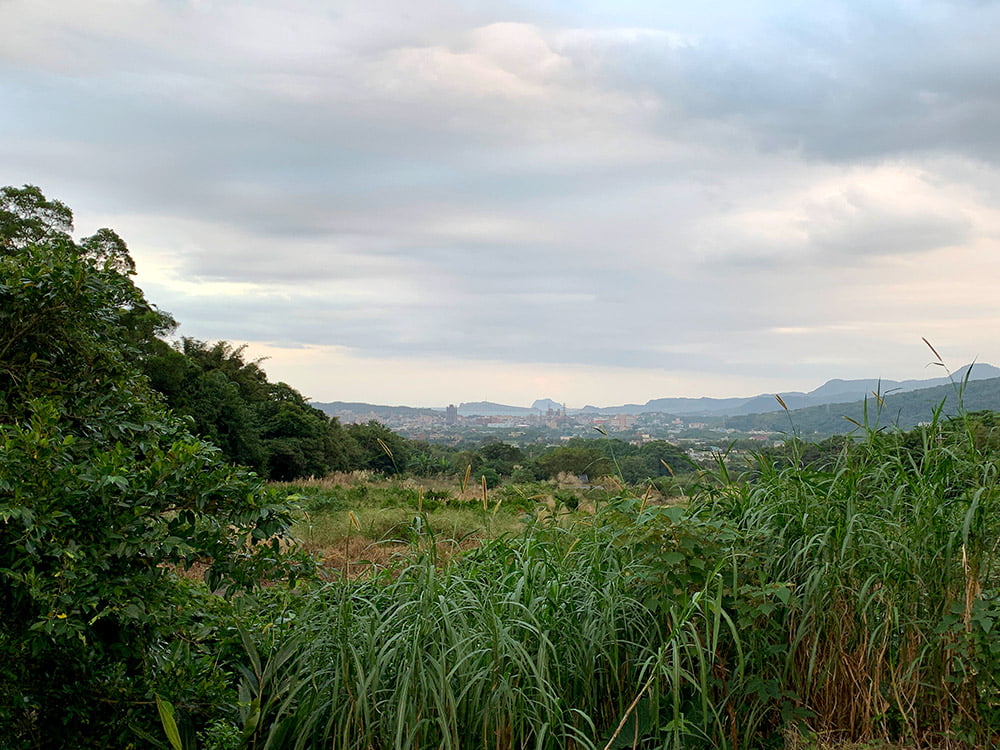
(905, 410)
(833, 391)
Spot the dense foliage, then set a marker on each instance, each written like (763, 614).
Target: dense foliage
(852, 596)
(268, 427)
(540, 641)
(103, 493)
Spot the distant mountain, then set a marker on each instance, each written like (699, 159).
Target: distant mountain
(350, 411)
(542, 405)
(903, 408)
(833, 391)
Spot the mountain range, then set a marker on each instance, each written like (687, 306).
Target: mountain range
(832, 392)
(902, 409)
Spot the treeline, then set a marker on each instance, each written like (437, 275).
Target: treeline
(272, 429)
(592, 459)
(228, 400)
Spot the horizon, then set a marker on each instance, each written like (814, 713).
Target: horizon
(941, 373)
(607, 202)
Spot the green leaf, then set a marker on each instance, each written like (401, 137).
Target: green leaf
(252, 718)
(166, 711)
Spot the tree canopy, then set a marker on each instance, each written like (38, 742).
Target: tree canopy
(103, 492)
(269, 427)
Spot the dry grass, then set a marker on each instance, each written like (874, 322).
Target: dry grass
(358, 557)
(795, 741)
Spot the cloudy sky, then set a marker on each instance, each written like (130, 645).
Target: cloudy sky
(433, 201)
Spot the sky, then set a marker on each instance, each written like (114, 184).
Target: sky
(427, 202)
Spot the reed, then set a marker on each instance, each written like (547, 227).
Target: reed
(552, 639)
(889, 561)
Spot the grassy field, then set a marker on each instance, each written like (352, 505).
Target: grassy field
(358, 523)
(851, 605)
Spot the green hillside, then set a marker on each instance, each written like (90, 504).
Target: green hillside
(904, 410)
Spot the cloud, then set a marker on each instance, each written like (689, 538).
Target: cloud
(507, 60)
(847, 217)
(653, 187)
(855, 224)
(410, 379)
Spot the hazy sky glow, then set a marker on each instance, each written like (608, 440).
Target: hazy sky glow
(598, 202)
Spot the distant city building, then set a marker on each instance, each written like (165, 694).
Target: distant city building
(623, 421)
(451, 414)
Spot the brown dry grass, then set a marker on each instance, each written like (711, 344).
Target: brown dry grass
(795, 741)
(358, 557)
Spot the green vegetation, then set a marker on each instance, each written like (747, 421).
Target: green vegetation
(271, 429)
(593, 458)
(886, 563)
(542, 640)
(366, 522)
(854, 599)
(102, 492)
(265, 426)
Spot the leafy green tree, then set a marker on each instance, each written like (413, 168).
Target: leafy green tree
(103, 493)
(211, 399)
(576, 459)
(268, 427)
(28, 218)
(299, 440)
(637, 468)
(501, 457)
(428, 460)
(379, 448)
(462, 460)
(529, 471)
(667, 458)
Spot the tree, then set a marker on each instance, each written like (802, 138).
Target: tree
(379, 448)
(299, 440)
(103, 493)
(576, 459)
(501, 457)
(28, 218)
(268, 427)
(667, 458)
(427, 460)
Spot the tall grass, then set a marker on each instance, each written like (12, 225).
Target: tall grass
(858, 600)
(888, 562)
(553, 639)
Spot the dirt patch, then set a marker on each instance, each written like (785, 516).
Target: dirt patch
(359, 557)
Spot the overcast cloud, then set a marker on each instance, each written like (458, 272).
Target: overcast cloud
(597, 202)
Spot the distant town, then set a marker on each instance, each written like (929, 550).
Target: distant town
(836, 407)
(550, 427)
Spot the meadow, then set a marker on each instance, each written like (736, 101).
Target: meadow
(850, 603)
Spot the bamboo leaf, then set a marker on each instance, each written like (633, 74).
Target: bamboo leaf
(166, 711)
